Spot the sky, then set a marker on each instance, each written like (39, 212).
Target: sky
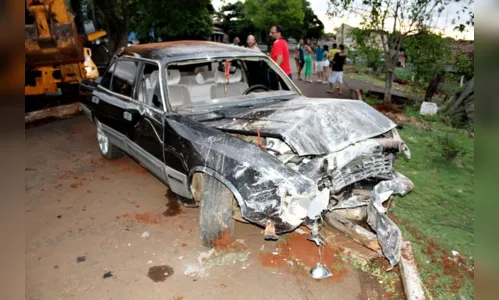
(320, 7)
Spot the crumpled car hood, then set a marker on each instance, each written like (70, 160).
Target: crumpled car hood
(311, 126)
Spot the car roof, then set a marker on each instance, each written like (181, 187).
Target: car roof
(183, 50)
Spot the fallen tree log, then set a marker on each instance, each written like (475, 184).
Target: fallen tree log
(59, 112)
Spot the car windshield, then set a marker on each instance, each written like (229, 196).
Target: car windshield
(228, 81)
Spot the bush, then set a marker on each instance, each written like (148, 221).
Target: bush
(448, 147)
(403, 74)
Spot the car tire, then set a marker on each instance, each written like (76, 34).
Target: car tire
(106, 148)
(216, 205)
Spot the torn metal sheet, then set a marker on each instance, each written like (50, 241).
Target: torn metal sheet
(389, 235)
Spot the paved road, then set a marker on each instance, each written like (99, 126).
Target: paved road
(317, 89)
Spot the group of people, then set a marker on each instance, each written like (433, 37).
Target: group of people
(317, 59)
(250, 41)
(320, 59)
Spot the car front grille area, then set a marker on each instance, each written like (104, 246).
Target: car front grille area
(359, 169)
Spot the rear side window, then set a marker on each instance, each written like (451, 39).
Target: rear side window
(106, 80)
(124, 77)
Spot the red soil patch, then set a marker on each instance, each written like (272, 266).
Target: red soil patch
(65, 173)
(183, 245)
(223, 285)
(388, 108)
(225, 243)
(141, 171)
(451, 266)
(299, 250)
(147, 217)
(104, 178)
(75, 185)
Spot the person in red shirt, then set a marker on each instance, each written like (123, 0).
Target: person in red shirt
(280, 51)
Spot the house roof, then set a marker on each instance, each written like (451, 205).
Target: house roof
(463, 47)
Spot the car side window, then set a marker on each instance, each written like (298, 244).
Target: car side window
(124, 77)
(106, 80)
(149, 91)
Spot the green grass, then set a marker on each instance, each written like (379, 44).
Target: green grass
(440, 208)
(379, 80)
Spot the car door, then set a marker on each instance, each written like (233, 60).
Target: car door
(111, 99)
(146, 139)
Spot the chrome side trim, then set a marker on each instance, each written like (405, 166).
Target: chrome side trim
(178, 182)
(87, 112)
(115, 137)
(150, 162)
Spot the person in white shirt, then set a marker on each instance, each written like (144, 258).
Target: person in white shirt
(251, 41)
(236, 42)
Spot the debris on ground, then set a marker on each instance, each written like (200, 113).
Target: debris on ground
(300, 231)
(355, 231)
(160, 273)
(192, 270)
(107, 274)
(428, 108)
(455, 253)
(223, 256)
(80, 259)
(145, 234)
(298, 254)
(59, 216)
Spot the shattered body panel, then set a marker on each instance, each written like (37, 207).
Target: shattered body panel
(312, 126)
(259, 180)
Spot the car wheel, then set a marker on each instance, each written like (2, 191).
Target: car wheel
(107, 149)
(216, 206)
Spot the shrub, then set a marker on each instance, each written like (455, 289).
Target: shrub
(448, 147)
(403, 74)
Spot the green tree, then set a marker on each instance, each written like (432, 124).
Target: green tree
(174, 19)
(393, 21)
(430, 54)
(234, 21)
(265, 13)
(465, 66)
(312, 26)
(168, 19)
(366, 44)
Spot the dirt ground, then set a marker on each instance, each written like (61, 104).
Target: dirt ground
(86, 236)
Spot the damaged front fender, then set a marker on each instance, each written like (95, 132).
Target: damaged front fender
(389, 235)
(264, 188)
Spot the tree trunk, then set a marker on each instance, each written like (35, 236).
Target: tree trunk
(117, 38)
(388, 87)
(117, 28)
(432, 88)
(454, 104)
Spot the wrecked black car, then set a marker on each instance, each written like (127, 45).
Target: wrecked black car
(227, 130)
